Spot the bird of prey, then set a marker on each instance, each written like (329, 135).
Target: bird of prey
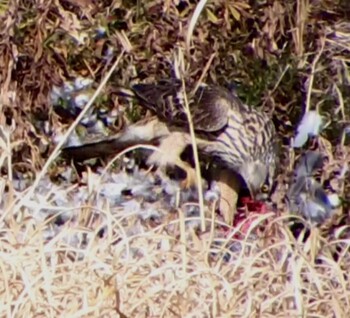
(240, 140)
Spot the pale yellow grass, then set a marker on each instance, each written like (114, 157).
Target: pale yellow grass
(165, 271)
(139, 271)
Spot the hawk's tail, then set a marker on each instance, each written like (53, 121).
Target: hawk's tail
(96, 149)
(124, 92)
(145, 132)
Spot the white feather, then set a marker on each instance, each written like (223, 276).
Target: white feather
(311, 125)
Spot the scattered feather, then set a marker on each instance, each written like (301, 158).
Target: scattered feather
(334, 200)
(55, 95)
(113, 191)
(311, 125)
(308, 162)
(101, 31)
(67, 89)
(306, 197)
(81, 100)
(312, 209)
(82, 83)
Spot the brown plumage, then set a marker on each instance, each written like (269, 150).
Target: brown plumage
(235, 136)
(209, 105)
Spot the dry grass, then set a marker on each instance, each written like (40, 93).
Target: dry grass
(155, 273)
(289, 56)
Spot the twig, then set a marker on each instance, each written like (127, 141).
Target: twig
(196, 158)
(200, 6)
(205, 71)
(341, 102)
(278, 83)
(309, 91)
(179, 71)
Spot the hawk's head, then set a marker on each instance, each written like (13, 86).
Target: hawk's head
(258, 173)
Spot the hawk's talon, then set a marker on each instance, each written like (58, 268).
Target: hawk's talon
(191, 177)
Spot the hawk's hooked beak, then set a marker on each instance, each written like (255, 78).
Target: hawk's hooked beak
(254, 175)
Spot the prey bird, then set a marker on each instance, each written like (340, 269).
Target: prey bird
(239, 139)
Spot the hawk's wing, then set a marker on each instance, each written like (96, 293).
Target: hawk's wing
(209, 106)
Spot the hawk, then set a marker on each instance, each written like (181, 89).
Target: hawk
(239, 139)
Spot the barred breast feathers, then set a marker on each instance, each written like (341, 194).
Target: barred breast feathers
(248, 137)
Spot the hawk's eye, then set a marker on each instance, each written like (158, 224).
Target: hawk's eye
(264, 188)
